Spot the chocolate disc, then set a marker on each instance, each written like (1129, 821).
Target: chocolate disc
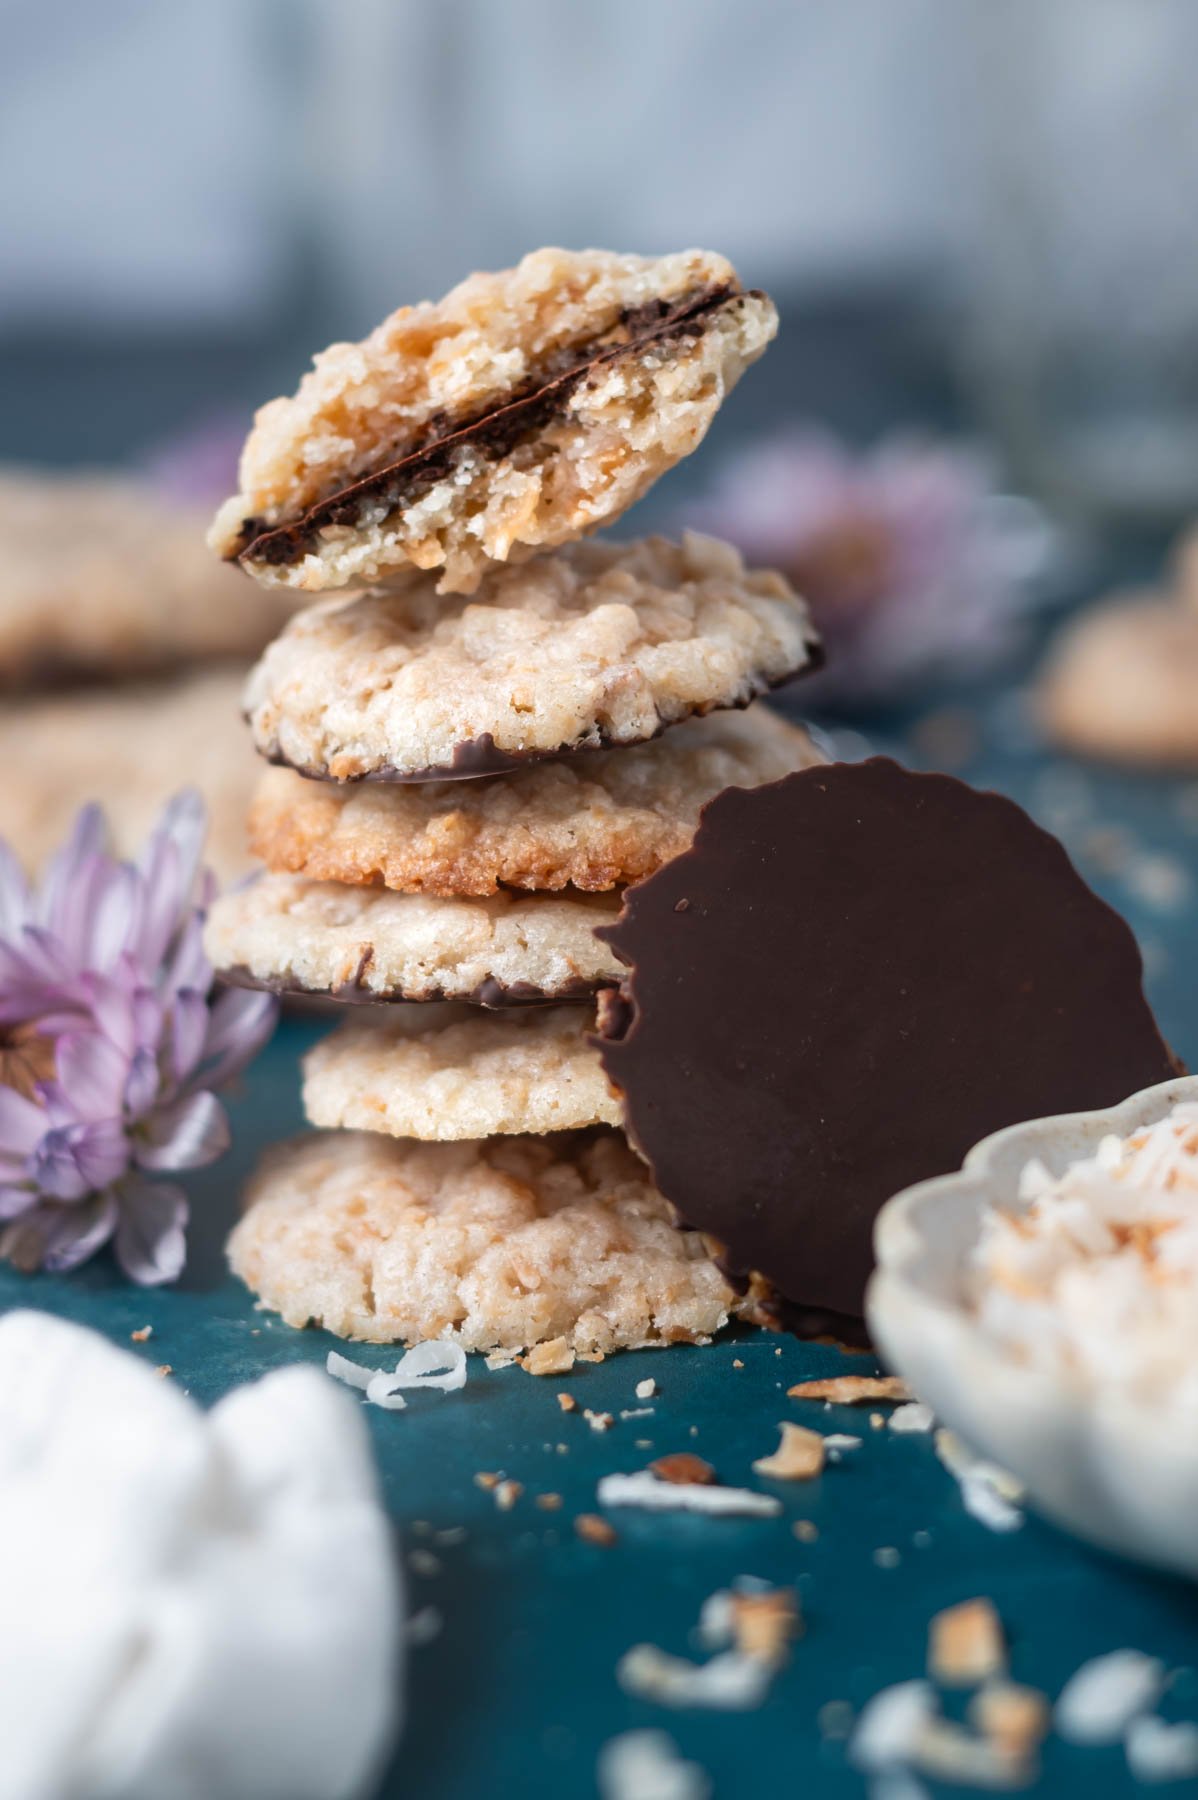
(852, 976)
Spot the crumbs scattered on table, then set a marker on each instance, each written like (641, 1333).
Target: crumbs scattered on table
(644, 1489)
(553, 1358)
(143, 1335)
(966, 1644)
(851, 1390)
(594, 1529)
(598, 1421)
(683, 1467)
(799, 1456)
(567, 1402)
(759, 1623)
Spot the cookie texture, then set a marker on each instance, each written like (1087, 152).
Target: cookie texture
(129, 748)
(102, 576)
(445, 1073)
(602, 645)
(499, 1246)
(365, 943)
(523, 410)
(589, 823)
(1122, 683)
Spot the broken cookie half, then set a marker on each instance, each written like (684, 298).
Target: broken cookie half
(522, 411)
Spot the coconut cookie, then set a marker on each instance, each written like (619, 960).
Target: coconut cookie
(500, 1246)
(1122, 683)
(428, 1072)
(592, 823)
(523, 410)
(602, 645)
(101, 576)
(364, 943)
(130, 748)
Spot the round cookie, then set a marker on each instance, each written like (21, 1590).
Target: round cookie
(499, 1246)
(102, 576)
(1122, 683)
(589, 823)
(521, 411)
(291, 935)
(602, 645)
(449, 1073)
(130, 749)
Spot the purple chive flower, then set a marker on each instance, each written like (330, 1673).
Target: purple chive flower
(910, 560)
(111, 1047)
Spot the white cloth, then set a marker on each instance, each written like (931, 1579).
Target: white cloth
(193, 1605)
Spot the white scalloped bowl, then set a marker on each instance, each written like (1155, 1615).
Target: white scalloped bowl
(1119, 1474)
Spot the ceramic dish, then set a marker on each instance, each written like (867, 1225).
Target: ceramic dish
(1118, 1474)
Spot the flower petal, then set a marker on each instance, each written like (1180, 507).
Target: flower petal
(242, 1021)
(75, 1233)
(15, 902)
(187, 1135)
(22, 1123)
(151, 1245)
(92, 1073)
(141, 1089)
(189, 1031)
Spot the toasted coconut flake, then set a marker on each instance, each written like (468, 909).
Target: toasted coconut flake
(644, 1489)
(143, 1335)
(487, 1479)
(1100, 1699)
(1157, 1751)
(765, 1624)
(646, 1389)
(553, 1358)
(892, 1725)
(948, 1752)
(683, 1467)
(851, 1390)
(912, 1417)
(598, 1421)
(990, 1494)
(549, 1502)
(729, 1682)
(567, 1402)
(645, 1765)
(164, 1369)
(506, 1494)
(1013, 1717)
(594, 1529)
(799, 1456)
(966, 1644)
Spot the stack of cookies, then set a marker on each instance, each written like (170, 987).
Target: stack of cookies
(472, 767)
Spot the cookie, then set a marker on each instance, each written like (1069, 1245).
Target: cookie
(452, 1072)
(1122, 683)
(129, 748)
(364, 943)
(101, 576)
(500, 1246)
(602, 645)
(525, 409)
(590, 823)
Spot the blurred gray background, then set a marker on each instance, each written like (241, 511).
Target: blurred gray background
(971, 210)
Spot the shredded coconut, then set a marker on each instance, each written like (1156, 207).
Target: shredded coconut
(989, 1493)
(1099, 1701)
(432, 1365)
(645, 1765)
(1095, 1274)
(1158, 1751)
(644, 1489)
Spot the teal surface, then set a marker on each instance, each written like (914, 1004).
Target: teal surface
(518, 1692)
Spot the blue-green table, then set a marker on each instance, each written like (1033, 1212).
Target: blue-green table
(518, 1692)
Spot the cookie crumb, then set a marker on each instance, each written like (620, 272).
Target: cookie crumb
(684, 1469)
(594, 1529)
(966, 1644)
(506, 1494)
(598, 1421)
(140, 1337)
(567, 1402)
(548, 1502)
(1013, 1717)
(552, 1358)
(799, 1456)
(765, 1624)
(646, 1389)
(737, 1363)
(851, 1390)
(164, 1369)
(592, 1356)
(488, 1480)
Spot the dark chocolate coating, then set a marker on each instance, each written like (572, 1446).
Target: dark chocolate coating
(489, 993)
(494, 432)
(852, 976)
(482, 756)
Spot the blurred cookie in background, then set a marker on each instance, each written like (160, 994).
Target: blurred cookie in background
(103, 576)
(1121, 682)
(130, 748)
